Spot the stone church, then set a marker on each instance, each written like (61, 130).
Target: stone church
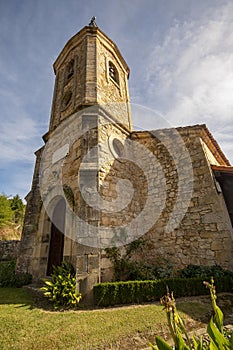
(98, 183)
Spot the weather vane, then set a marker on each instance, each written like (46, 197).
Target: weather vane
(93, 22)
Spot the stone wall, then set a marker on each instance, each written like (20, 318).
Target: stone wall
(194, 226)
(9, 249)
(112, 95)
(31, 221)
(185, 219)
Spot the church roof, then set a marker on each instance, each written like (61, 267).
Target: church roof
(78, 37)
(210, 141)
(223, 169)
(199, 129)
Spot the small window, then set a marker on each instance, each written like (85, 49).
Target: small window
(113, 73)
(70, 69)
(66, 99)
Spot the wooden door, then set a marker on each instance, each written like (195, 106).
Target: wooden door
(56, 245)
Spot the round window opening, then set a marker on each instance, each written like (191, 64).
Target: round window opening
(118, 147)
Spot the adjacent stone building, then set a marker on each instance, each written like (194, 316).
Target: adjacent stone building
(97, 183)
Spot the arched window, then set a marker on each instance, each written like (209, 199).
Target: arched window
(70, 69)
(66, 99)
(113, 73)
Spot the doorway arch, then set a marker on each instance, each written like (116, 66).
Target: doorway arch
(56, 245)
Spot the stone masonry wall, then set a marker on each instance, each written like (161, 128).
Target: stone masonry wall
(204, 235)
(31, 222)
(186, 221)
(112, 96)
(9, 249)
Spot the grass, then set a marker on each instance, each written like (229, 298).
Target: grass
(24, 326)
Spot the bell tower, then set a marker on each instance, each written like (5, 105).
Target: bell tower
(90, 70)
(90, 119)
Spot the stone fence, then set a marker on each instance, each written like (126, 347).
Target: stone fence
(9, 249)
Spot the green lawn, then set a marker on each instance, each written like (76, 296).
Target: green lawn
(24, 326)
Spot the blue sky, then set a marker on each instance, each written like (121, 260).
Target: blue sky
(180, 53)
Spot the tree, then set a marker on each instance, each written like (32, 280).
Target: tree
(17, 207)
(6, 213)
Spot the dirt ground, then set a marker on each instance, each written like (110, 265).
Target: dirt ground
(10, 232)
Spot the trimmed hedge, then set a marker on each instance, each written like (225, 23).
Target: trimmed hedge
(135, 292)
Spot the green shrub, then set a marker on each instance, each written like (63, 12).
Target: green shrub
(144, 271)
(124, 267)
(128, 269)
(214, 271)
(8, 276)
(130, 292)
(61, 289)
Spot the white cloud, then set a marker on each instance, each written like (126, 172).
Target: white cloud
(20, 134)
(191, 71)
(18, 140)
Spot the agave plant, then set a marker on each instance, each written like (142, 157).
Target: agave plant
(61, 289)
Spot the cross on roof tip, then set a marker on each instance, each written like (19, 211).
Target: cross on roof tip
(93, 22)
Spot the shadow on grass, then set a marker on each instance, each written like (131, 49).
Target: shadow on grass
(24, 297)
(200, 308)
(17, 296)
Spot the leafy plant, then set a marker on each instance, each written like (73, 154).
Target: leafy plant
(61, 289)
(121, 264)
(69, 194)
(182, 341)
(126, 268)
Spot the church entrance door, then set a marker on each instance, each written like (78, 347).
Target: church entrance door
(56, 237)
